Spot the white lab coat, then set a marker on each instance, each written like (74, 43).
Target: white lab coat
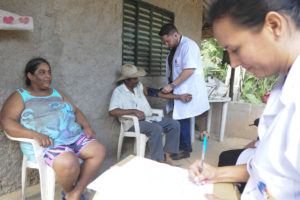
(187, 56)
(275, 167)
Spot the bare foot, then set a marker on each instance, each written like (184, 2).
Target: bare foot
(170, 161)
(73, 196)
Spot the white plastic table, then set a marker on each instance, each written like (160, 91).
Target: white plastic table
(224, 101)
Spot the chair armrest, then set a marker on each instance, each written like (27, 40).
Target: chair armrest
(132, 118)
(27, 140)
(159, 112)
(128, 117)
(38, 150)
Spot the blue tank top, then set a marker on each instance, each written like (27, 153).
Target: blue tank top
(49, 115)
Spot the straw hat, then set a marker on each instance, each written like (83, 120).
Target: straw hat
(131, 71)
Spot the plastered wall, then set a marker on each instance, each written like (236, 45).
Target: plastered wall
(82, 41)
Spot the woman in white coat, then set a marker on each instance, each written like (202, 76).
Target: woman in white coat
(263, 36)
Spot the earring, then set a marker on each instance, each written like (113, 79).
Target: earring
(277, 34)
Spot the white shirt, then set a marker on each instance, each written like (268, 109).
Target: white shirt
(123, 98)
(188, 56)
(275, 167)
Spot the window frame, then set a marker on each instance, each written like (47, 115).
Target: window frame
(141, 44)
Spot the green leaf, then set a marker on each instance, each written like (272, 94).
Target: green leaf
(252, 88)
(253, 99)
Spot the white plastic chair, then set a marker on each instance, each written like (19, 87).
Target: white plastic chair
(47, 174)
(140, 139)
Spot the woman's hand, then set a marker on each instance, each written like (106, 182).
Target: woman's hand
(89, 133)
(205, 175)
(185, 97)
(43, 140)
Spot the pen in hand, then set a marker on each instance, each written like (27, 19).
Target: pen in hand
(203, 152)
(202, 158)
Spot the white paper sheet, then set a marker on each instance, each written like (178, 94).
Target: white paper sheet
(144, 179)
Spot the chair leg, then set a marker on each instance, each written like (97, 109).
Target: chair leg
(47, 182)
(135, 146)
(23, 177)
(51, 183)
(141, 145)
(120, 143)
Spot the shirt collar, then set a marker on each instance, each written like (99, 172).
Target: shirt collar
(127, 90)
(291, 83)
(285, 90)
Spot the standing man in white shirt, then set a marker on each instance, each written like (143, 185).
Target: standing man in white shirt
(185, 75)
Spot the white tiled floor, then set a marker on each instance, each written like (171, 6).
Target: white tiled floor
(214, 148)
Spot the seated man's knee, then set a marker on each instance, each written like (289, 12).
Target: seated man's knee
(176, 124)
(157, 129)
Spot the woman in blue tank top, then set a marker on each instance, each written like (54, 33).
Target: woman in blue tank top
(46, 115)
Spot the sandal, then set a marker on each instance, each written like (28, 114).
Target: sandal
(64, 198)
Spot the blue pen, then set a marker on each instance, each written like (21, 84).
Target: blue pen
(203, 152)
(196, 179)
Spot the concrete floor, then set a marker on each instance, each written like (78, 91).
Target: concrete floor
(214, 148)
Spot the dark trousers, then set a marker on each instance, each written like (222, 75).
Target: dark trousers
(228, 158)
(185, 134)
(154, 131)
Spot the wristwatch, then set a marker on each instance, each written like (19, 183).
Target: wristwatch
(172, 85)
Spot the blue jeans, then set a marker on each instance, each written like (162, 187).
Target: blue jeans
(154, 131)
(185, 134)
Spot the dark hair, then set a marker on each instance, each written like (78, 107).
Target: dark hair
(252, 13)
(167, 29)
(32, 66)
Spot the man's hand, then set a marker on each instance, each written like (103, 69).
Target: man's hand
(186, 98)
(167, 89)
(251, 144)
(89, 133)
(140, 115)
(43, 140)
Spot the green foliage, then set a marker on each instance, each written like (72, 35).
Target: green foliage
(253, 99)
(212, 56)
(252, 88)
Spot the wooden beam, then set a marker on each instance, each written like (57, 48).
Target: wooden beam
(207, 33)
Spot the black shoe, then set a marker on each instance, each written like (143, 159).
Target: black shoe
(188, 150)
(180, 155)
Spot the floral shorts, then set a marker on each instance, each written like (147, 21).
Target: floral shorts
(75, 147)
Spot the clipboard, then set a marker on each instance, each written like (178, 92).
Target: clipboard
(223, 191)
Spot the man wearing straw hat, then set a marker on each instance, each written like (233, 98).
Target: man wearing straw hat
(129, 99)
